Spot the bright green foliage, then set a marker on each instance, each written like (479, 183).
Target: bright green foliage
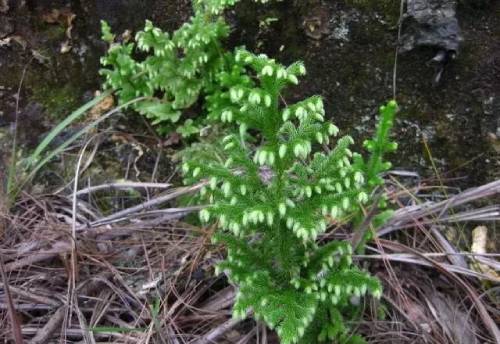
(273, 196)
(376, 165)
(379, 145)
(178, 67)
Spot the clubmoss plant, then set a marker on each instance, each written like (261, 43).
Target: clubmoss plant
(177, 69)
(274, 196)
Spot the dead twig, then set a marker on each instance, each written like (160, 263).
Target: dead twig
(33, 297)
(43, 334)
(14, 320)
(170, 195)
(122, 185)
(408, 216)
(211, 336)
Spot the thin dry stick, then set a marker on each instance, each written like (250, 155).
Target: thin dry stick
(148, 204)
(43, 334)
(246, 338)
(87, 335)
(74, 264)
(411, 259)
(77, 332)
(429, 254)
(409, 215)
(211, 337)
(395, 68)
(221, 300)
(102, 307)
(122, 185)
(157, 164)
(14, 320)
(33, 297)
(10, 175)
(449, 248)
(36, 257)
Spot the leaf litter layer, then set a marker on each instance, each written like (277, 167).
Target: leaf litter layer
(76, 270)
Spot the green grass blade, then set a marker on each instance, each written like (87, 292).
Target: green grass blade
(61, 126)
(63, 146)
(109, 329)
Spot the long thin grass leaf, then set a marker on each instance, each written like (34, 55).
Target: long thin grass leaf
(72, 139)
(65, 123)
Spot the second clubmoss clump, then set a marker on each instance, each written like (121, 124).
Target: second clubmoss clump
(273, 198)
(177, 69)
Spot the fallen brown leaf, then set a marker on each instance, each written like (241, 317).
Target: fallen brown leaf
(104, 105)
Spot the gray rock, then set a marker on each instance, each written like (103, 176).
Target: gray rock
(432, 23)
